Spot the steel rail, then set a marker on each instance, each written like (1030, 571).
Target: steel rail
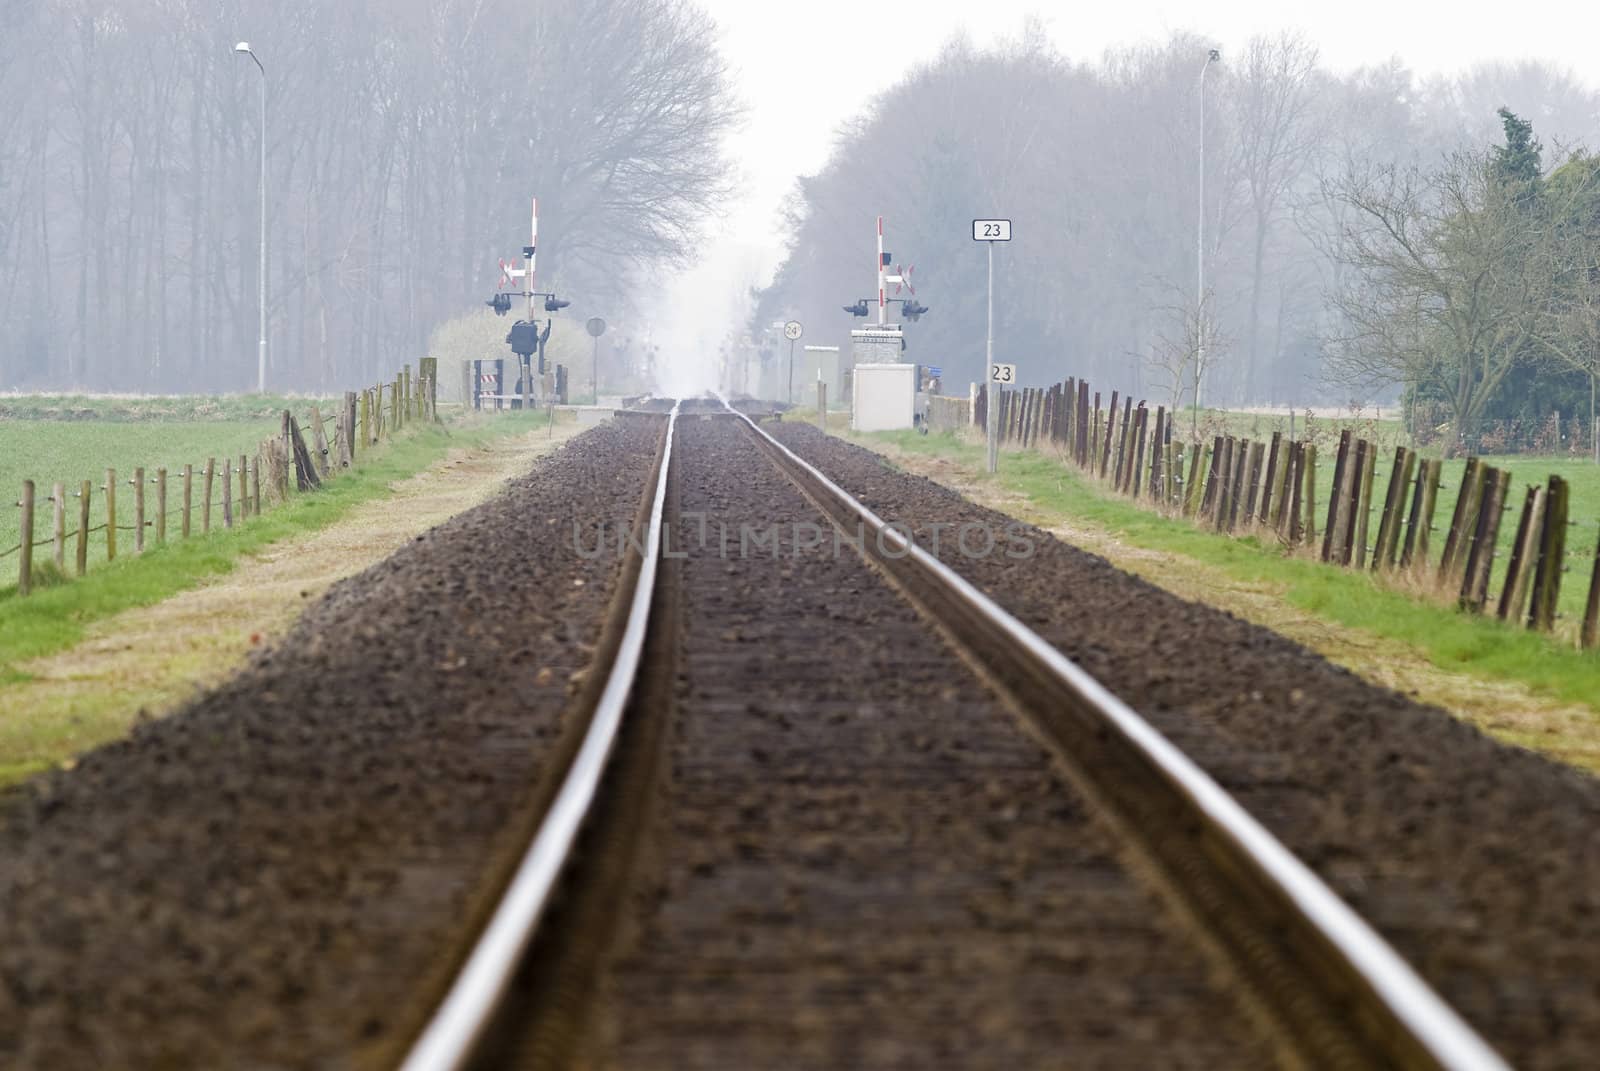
(451, 1037)
(1431, 1027)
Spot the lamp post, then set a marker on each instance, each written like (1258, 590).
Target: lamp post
(1212, 56)
(243, 47)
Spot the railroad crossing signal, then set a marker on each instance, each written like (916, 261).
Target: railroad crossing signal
(900, 278)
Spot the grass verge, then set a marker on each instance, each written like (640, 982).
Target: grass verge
(53, 618)
(1452, 641)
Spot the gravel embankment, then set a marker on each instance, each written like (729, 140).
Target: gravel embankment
(1480, 862)
(267, 878)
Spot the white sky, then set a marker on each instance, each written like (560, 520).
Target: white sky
(803, 66)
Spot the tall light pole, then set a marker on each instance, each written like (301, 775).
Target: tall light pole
(1212, 56)
(261, 296)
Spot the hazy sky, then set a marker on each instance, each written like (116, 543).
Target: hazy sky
(803, 66)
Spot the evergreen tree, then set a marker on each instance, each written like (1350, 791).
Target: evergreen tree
(1517, 165)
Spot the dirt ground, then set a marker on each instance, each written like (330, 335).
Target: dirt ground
(148, 662)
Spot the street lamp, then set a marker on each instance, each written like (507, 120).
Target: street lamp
(1212, 56)
(243, 47)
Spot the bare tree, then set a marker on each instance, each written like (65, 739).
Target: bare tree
(404, 141)
(1175, 349)
(1273, 89)
(1446, 273)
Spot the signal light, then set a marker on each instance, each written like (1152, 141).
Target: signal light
(858, 309)
(912, 311)
(555, 304)
(500, 303)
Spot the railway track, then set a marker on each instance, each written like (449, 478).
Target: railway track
(726, 810)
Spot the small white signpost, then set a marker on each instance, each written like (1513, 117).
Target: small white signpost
(990, 231)
(792, 331)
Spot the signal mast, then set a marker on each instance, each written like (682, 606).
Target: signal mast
(525, 338)
(887, 391)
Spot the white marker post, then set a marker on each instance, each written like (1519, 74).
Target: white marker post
(792, 331)
(990, 231)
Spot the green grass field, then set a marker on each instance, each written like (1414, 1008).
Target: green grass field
(141, 408)
(53, 617)
(1583, 477)
(1452, 640)
(70, 451)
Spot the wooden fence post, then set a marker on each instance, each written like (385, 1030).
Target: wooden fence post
(1414, 517)
(1466, 512)
(1430, 500)
(1393, 503)
(1308, 462)
(305, 474)
(1241, 460)
(1369, 465)
(319, 439)
(244, 486)
(25, 534)
(1591, 611)
(1153, 482)
(1085, 426)
(1267, 489)
(255, 484)
(85, 494)
(1280, 508)
(205, 504)
(1524, 552)
(347, 456)
(161, 505)
(1552, 557)
(188, 497)
(1136, 470)
(111, 514)
(1333, 540)
(1191, 484)
(1124, 442)
(1253, 481)
(1110, 427)
(1294, 496)
(1208, 497)
(1219, 502)
(227, 492)
(58, 526)
(1480, 560)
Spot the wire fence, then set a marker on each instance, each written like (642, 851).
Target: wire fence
(284, 464)
(1374, 510)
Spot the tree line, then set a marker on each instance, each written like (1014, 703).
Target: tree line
(1098, 165)
(404, 140)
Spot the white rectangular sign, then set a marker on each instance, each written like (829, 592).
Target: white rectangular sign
(1004, 374)
(991, 230)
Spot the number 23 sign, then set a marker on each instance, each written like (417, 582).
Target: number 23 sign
(1002, 373)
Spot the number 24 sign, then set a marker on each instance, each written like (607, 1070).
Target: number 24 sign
(1002, 373)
